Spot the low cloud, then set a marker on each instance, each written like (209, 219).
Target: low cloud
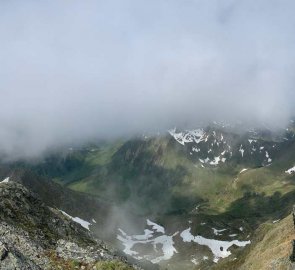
(74, 70)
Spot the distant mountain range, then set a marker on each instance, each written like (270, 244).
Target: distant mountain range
(190, 199)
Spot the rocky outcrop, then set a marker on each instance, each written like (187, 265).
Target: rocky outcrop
(34, 236)
(76, 203)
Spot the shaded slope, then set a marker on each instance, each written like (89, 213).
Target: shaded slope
(270, 249)
(34, 236)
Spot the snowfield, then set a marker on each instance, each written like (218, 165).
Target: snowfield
(163, 245)
(218, 248)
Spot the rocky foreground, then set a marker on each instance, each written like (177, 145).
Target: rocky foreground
(35, 236)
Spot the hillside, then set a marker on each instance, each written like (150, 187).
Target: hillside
(214, 166)
(271, 248)
(35, 236)
(173, 199)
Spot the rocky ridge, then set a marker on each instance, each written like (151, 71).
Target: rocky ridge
(35, 236)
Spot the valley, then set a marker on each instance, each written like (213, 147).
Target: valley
(182, 200)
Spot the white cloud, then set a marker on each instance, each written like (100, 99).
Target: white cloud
(71, 70)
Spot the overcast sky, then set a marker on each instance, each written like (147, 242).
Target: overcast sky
(71, 70)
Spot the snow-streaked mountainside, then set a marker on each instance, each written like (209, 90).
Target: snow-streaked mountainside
(187, 199)
(215, 146)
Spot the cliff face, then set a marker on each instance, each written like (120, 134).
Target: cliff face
(35, 236)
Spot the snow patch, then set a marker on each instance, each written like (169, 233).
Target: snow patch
(194, 261)
(190, 136)
(215, 161)
(268, 157)
(218, 232)
(85, 224)
(243, 170)
(218, 248)
(204, 160)
(155, 226)
(164, 241)
(276, 221)
(6, 180)
(291, 170)
(241, 150)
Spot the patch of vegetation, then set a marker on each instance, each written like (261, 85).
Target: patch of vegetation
(57, 262)
(112, 265)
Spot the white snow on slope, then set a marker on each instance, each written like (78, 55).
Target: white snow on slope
(195, 149)
(243, 170)
(165, 242)
(242, 150)
(218, 232)
(291, 170)
(167, 247)
(204, 160)
(85, 224)
(217, 160)
(276, 221)
(268, 157)
(6, 180)
(218, 248)
(189, 136)
(155, 226)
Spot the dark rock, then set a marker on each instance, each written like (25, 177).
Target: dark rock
(3, 251)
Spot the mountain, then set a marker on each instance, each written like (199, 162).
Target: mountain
(203, 198)
(35, 236)
(271, 248)
(189, 167)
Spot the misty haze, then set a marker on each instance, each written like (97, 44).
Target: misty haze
(147, 135)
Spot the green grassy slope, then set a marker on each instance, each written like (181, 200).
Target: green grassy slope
(159, 177)
(270, 249)
(161, 172)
